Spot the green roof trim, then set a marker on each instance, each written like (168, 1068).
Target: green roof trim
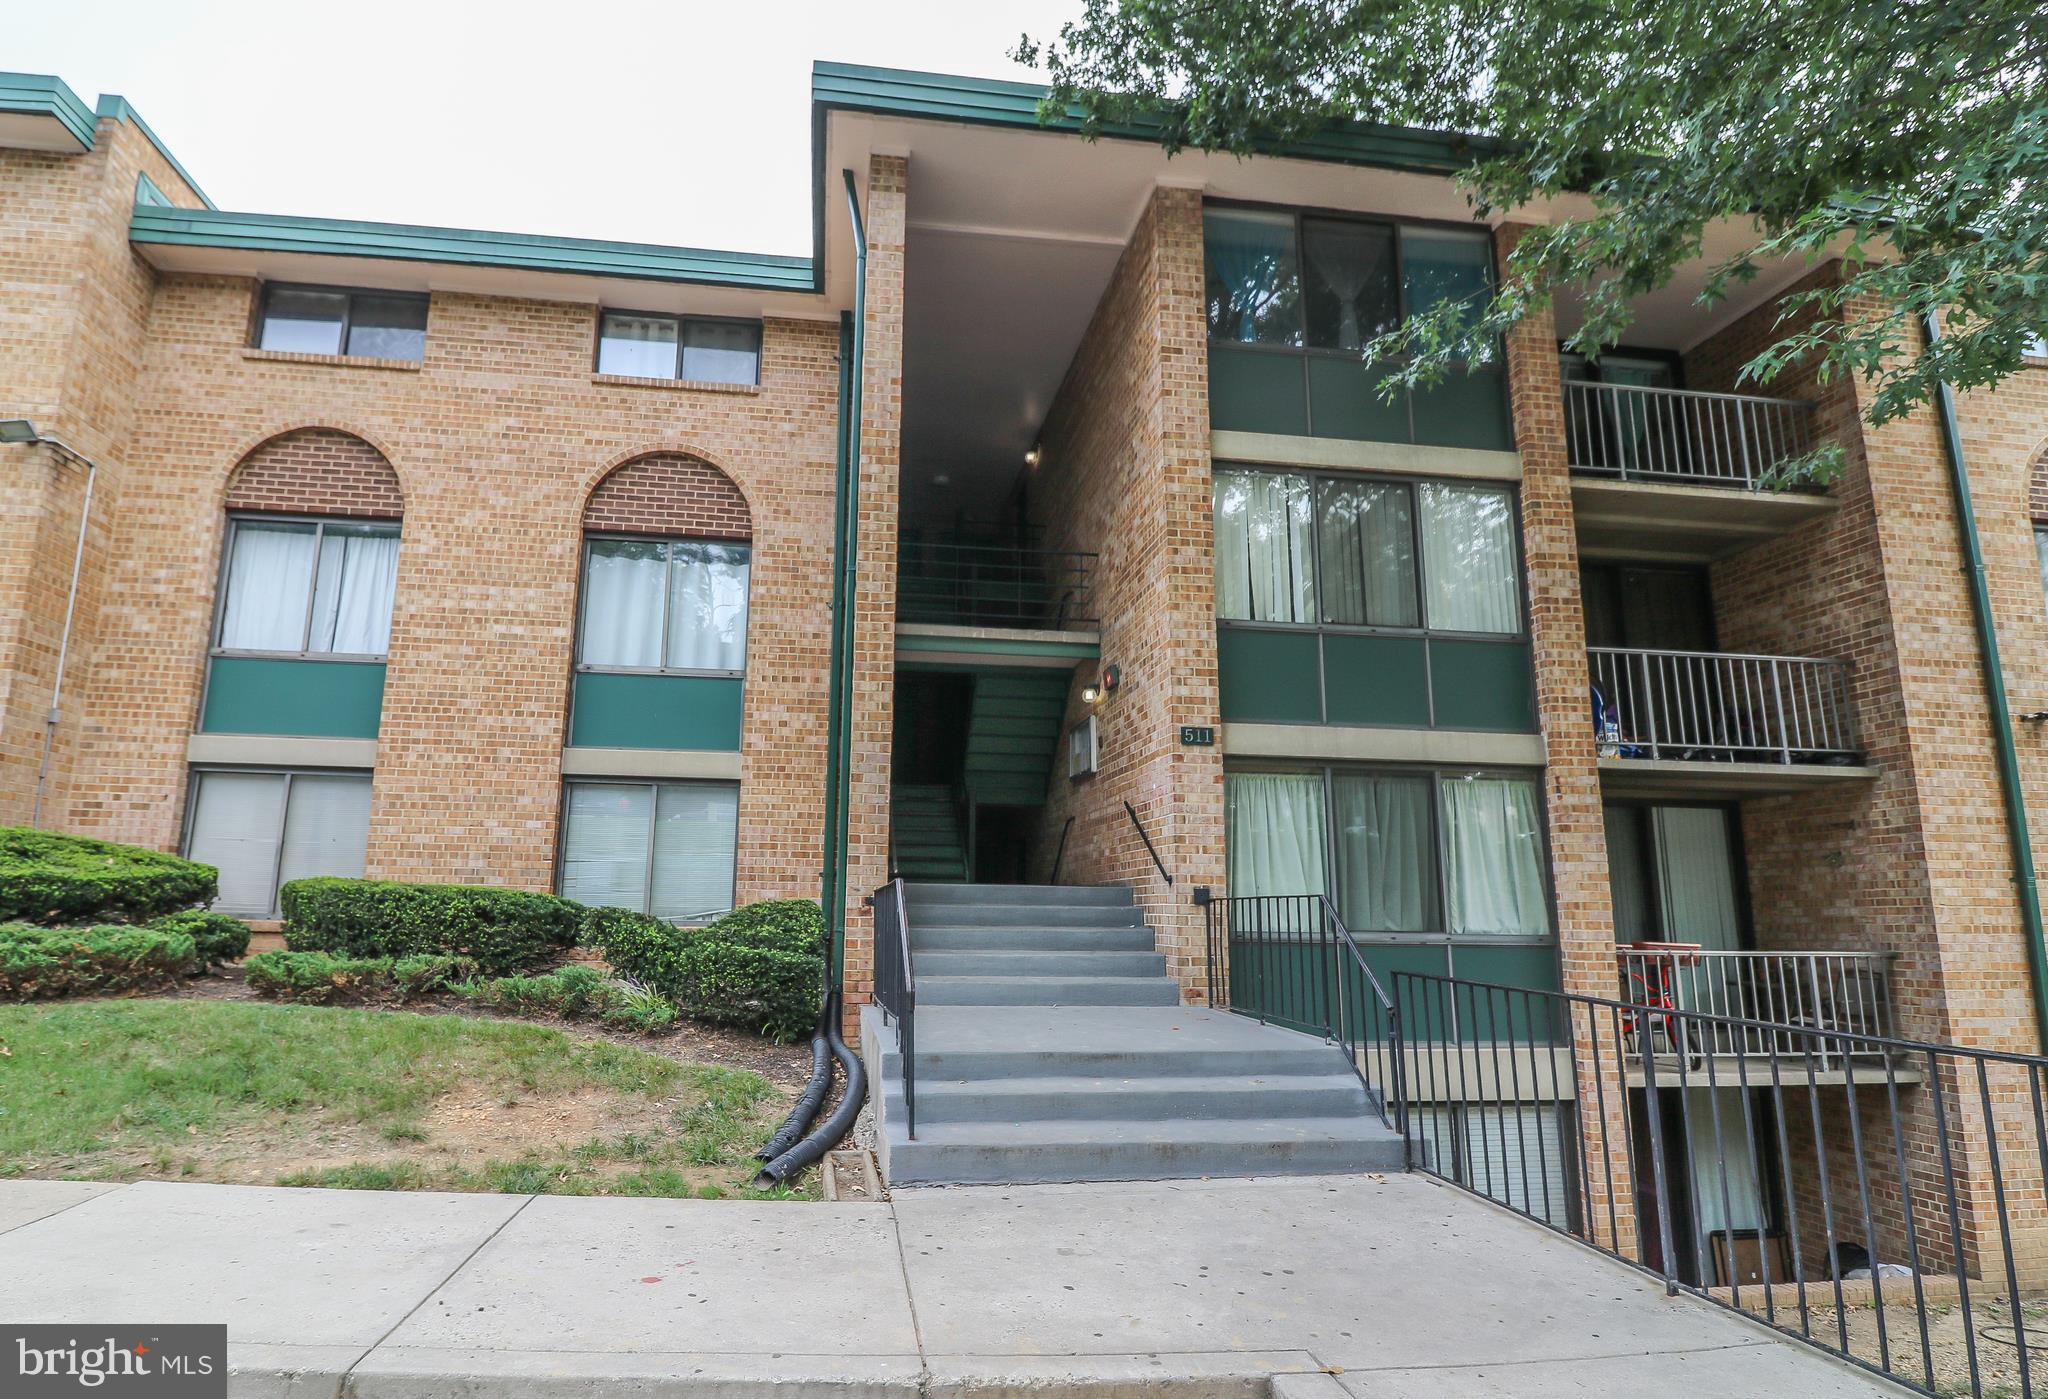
(850, 87)
(45, 94)
(280, 233)
(115, 106)
(908, 642)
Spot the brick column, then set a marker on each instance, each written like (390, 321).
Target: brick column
(874, 648)
(1578, 837)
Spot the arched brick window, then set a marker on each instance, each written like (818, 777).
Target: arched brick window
(668, 493)
(316, 471)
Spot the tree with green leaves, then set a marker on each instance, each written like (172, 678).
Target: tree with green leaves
(1908, 138)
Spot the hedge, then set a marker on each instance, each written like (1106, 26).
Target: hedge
(42, 962)
(49, 878)
(575, 991)
(760, 967)
(219, 937)
(503, 930)
(319, 978)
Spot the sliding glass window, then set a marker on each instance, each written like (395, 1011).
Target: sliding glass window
(308, 588)
(262, 830)
(1399, 850)
(665, 848)
(700, 349)
(665, 605)
(331, 321)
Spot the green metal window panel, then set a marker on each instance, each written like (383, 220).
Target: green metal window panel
(624, 710)
(1465, 410)
(279, 233)
(46, 95)
(1256, 391)
(1376, 680)
(1272, 677)
(1502, 1015)
(1421, 1020)
(1482, 685)
(302, 698)
(1344, 401)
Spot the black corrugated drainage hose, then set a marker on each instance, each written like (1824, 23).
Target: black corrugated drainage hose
(812, 1098)
(833, 1129)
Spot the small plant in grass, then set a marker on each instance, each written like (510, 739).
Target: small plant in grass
(575, 992)
(504, 930)
(50, 878)
(37, 963)
(316, 978)
(759, 967)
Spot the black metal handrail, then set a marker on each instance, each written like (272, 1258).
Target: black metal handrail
(1139, 826)
(896, 985)
(1060, 856)
(991, 585)
(1831, 1152)
(1289, 960)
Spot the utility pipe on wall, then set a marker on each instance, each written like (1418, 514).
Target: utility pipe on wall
(1994, 686)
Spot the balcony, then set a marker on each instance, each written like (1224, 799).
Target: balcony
(1842, 992)
(1681, 476)
(1697, 724)
(978, 603)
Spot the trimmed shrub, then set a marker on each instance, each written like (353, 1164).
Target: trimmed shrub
(319, 978)
(49, 878)
(576, 991)
(220, 937)
(42, 962)
(760, 971)
(503, 930)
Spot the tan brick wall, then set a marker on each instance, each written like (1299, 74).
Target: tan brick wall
(317, 471)
(672, 495)
(1125, 473)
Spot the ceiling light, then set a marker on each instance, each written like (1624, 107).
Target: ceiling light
(1032, 457)
(942, 479)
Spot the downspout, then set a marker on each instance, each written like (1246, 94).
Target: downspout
(50, 720)
(1994, 685)
(844, 586)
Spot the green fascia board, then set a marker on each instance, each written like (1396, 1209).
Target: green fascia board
(998, 646)
(998, 102)
(46, 94)
(281, 233)
(113, 105)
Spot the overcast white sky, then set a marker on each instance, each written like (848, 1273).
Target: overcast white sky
(680, 122)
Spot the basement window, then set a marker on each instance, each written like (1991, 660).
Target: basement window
(264, 829)
(702, 349)
(333, 321)
(665, 848)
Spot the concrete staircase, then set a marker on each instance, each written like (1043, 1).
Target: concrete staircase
(1051, 1046)
(926, 840)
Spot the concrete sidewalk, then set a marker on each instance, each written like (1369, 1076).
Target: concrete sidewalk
(1209, 1289)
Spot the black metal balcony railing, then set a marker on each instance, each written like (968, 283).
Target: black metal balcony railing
(1682, 437)
(979, 585)
(1712, 707)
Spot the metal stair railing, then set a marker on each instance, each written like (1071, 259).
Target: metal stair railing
(896, 985)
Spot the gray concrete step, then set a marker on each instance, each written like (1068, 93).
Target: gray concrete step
(1036, 962)
(1045, 991)
(1027, 915)
(1044, 895)
(959, 1153)
(1092, 1099)
(925, 939)
(996, 1042)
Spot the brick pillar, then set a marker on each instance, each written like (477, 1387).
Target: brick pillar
(874, 643)
(1578, 838)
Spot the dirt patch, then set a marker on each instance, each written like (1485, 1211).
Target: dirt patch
(1951, 1335)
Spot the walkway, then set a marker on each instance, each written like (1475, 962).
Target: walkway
(1198, 1288)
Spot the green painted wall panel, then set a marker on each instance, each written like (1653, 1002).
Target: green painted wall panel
(1256, 391)
(1268, 677)
(1376, 680)
(306, 699)
(1465, 410)
(1500, 1014)
(1482, 685)
(1344, 402)
(656, 711)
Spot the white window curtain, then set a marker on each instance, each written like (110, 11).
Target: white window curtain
(696, 837)
(237, 822)
(1515, 1154)
(642, 347)
(1493, 856)
(352, 599)
(1275, 834)
(622, 602)
(1366, 538)
(604, 844)
(326, 826)
(1742, 1205)
(707, 610)
(1265, 556)
(1386, 867)
(1469, 573)
(270, 578)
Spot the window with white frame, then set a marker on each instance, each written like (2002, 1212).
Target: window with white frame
(665, 848)
(262, 830)
(701, 349)
(308, 587)
(664, 605)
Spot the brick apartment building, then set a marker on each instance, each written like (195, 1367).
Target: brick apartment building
(452, 555)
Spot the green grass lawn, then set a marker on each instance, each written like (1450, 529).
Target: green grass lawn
(373, 1099)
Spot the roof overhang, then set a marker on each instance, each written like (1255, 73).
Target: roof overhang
(40, 112)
